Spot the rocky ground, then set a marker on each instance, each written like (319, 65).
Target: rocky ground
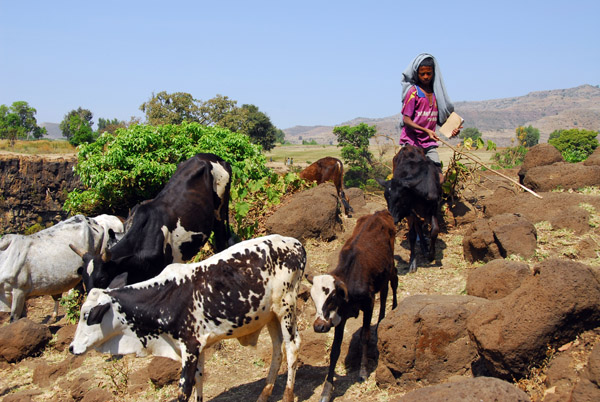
(237, 373)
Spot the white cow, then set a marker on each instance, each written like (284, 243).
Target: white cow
(43, 263)
(188, 307)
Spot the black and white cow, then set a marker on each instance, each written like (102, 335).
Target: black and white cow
(189, 307)
(172, 227)
(43, 264)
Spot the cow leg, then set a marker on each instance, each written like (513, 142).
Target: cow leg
(220, 235)
(199, 377)
(365, 336)
(346, 203)
(276, 357)
(394, 285)
(435, 230)
(382, 301)
(412, 239)
(333, 358)
(189, 368)
(56, 303)
(291, 338)
(18, 304)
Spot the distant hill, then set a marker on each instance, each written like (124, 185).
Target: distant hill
(497, 119)
(54, 132)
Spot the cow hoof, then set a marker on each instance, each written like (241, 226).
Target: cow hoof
(362, 375)
(327, 391)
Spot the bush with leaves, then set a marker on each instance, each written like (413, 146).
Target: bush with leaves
(355, 152)
(509, 157)
(528, 136)
(134, 164)
(470, 132)
(575, 145)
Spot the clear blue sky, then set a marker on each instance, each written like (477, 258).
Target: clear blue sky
(302, 63)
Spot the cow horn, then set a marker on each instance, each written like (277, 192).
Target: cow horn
(77, 251)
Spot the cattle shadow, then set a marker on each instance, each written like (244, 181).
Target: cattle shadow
(422, 261)
(310, 379)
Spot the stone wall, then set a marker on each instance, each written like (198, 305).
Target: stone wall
(33, 190)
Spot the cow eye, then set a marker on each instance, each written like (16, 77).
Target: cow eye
(85, 316)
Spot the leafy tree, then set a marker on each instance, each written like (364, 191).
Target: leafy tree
(355, 152)
(258, 127)
(528, 136)
(279, 136)
(164, 108)
(81, 131)
(18, 121)
(470, 132)
(575, 145)
(222, 111)
(110, 125)
(67, 124)
(555, 134)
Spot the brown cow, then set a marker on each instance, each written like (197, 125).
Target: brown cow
(365, 267)
(328, 169)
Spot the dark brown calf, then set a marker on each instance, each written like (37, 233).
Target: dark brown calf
(365, 267)
(328, 169)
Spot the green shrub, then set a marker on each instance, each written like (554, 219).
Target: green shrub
(509, 157)
(575, 145)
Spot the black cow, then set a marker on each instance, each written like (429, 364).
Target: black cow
(172, 227)
(414, 192)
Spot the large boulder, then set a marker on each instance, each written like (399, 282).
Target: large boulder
(588, 388)
(539, 155)
(499, 237)
(425, 340)
(468, 390)
(314, 213)
(562, 210)
(566, 176)
(21, 339)
(497, 279)
(551, 307)
(593, 159)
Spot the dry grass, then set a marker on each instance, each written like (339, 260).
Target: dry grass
(38, 147)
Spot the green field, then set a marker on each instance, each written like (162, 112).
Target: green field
(306, 154)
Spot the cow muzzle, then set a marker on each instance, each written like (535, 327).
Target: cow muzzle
(321, 326)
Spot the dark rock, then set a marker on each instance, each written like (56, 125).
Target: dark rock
(64, 337)
(593, 159)
(314, 213)
(469, 390)
(162, 371)
(551, 307)
(539, 155)
(499, 237)
(22, 339)
(496, 279)
(565, 176)
(425, 339)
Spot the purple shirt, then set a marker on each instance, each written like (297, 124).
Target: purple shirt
(417, 107)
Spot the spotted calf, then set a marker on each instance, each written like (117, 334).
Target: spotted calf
(188, 307)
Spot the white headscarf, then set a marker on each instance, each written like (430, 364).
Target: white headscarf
(410, 78)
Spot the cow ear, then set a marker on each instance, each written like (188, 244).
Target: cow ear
(111, 234)
(341, 289)
(119, 281)
(309, 278)
(96, 313)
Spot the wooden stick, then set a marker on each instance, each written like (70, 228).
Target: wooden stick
(490, 169)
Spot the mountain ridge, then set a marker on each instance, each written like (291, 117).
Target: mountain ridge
(497, 119)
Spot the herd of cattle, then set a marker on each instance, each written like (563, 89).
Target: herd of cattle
(143, 298)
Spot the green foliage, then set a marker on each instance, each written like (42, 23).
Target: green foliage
(80, 131)
(36, 227)
(470, 132)
(355, 152)
(258, 127)
(311, 142)
(575, 145)
(134, 164)
(164, 108)
(528, 136)
(71, 302)
(18, 121)
(509, 157)
(110, 125)
(71, 126)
